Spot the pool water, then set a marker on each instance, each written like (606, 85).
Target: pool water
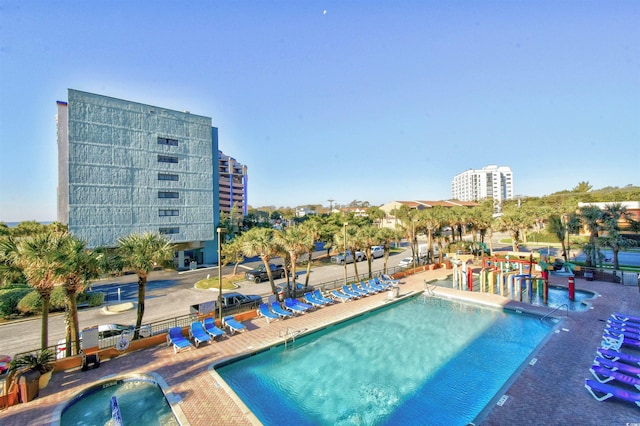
(559, 296)
(422, 361)
(141, 402)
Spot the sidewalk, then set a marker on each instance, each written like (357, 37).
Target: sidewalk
(551, 392)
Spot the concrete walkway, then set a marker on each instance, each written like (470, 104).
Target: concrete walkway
(550, 392)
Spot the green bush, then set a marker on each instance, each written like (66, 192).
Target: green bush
(58, 301)
(93, 299)
(30, 303)
(9, 299)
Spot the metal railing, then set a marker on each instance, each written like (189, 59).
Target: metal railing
(565, 305)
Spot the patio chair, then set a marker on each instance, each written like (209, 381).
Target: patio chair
(346, 290)
(233, 325)
(276, 308)
(614, 356)
(389, 280)
(358, 290)
(341, 296)
(319, 296)
(308, 296)
(604, 375)
(265, 312)
(294, 307)
(175, 338)
(625, 317)
(211, 328)
(617, 366)
(198, 334)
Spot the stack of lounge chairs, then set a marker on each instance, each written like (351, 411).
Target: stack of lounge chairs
(617, 373)
(362, 289)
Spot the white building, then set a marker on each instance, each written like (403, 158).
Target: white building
(489, 182)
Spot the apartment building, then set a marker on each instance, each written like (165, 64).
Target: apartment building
(126, 167)
(233, 185)
(489, 182)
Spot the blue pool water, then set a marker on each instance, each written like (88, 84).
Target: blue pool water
(559, 296)
(141, 402)
(422, 361)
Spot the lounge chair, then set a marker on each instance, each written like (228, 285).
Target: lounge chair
(358, 290)
(211, 328)
(233, 325)
(625, 317)
(377, 281)
(346, 290)
(319, 296)
(341, 296)
(628, 340)
(308, 296)
(265, 312)
(604, 375)
(386, 278)
(618, 356)
(175, 338)
(372, 284)
(198, 334)
(617, 366)
(615, 332)
(276, 308)
(365, 285)
(623, 326)
(294, 307)
(303, 305)
(610, 342)
(602, 391)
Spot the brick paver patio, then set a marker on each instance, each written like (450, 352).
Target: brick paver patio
(549, 392)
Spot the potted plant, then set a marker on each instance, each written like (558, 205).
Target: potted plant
(41, 361)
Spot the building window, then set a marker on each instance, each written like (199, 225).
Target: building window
(167, 159)
(168, 176)
(168, 212)
(168, 194)
(167, 141)
(167, 231)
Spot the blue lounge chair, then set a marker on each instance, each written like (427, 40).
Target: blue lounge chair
(291, 305)
(387, 279)
(175, 338)
(615, 332)
(622, 339)
(198, 334)
(602, 391)
(381, 283)
(319, 296)
(617, 366)
(614, 356)
(308, 296)
(604, 375)
(211, 328)
(265, 312)
(233, 325)
(623, 324)
(365, 285)
(275, 307)
(340, 296)
(622, 327)
(625, 317)
(610, 342)
(301, 304)
(346, 290)
(358, 290)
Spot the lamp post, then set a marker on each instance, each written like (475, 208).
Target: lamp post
(413, 243)
(220, 231)
(344, 226)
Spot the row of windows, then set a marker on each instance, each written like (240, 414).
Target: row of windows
(168, 212)
(168, 176)
(168, 194)
(167, 231)
(167, 141)
(167, 159)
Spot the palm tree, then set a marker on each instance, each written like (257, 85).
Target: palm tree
(312, 229)
(231, 251)
(295, 242)
(141, 253)
(511, 221)
(558, 228)
(591, 218)
(376, 214)
(38, 258)
(78, 266)
(369, 236)
(260, 242)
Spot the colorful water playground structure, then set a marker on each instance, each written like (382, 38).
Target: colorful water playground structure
(516, 275)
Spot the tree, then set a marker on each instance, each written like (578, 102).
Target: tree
(511, 221)
(312, 229)
(231, 252)
(141, 253)
(558, 228)
(38, 258)
(387, 236)
(260, 242)
(294, 241)
(368, 236)
(376, 214)
(78, 266)
(591, 217)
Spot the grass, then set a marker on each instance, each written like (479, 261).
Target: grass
(228, 282)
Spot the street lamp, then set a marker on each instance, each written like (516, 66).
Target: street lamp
(413, 243)
(220, 231)
(345, 253)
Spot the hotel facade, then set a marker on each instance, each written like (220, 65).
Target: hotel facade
(489, 182)
(126, 167)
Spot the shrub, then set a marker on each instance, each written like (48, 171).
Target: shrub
(93, 298)
(30, 303)
(10, 298)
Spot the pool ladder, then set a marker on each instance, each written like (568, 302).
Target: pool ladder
(428, 289)
(566, 306)
(289, 334)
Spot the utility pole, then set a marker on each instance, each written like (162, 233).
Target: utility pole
(330, 205)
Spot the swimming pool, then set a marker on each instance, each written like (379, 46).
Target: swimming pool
(140, 397)
(422, 361)
(559, 296)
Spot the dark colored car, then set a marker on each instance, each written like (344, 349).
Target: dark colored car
(260, 273)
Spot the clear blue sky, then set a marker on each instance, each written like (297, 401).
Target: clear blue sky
(343, 100)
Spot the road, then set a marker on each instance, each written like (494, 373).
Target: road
(169, 294)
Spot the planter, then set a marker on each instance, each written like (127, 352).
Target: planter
(43, 381)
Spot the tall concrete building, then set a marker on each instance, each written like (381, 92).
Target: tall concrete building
(126, 167)
(233, 185)
(489, 182)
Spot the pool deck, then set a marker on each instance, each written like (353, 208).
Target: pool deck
(550, 392)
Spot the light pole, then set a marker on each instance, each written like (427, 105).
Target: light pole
(345, 252)
(413, 243)
(220, 231)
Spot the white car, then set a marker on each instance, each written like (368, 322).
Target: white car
(377, 251)
(406, 262)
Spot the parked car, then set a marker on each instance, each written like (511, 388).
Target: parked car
(108, 335)
(235, 301)
(341, 259)
(406, 262)
(299, 291)
(377, 251)
(259, 274)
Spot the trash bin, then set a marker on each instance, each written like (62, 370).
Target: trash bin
(28, 384)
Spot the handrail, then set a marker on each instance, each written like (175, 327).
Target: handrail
(557, 307)
(429, 288)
